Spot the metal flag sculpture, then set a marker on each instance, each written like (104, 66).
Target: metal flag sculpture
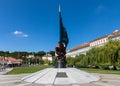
(63, 33)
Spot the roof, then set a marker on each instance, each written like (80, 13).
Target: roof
(99, 38)
(11, 59)
(1, 58)
(79, 47)
(116, 32)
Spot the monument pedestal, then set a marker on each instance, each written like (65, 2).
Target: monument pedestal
(60, 64)
(60, 76)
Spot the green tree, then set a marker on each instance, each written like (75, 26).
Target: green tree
(52, 53)
(41, 53)
(113, 46)
(79, 60)
(70, 61)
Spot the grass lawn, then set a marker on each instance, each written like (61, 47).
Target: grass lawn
(91, 70)
(30, 69)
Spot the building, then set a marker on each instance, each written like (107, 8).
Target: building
(10, 61)
(31, 56)
(102, 40)
(48, 57)
(99, 41)
(82, 49)
(115, 35)
(2, 61)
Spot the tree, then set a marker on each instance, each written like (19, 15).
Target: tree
(52, 53)
(41, 53)
(104, 56)
(79, 60)
(70, 61)
(113, 46)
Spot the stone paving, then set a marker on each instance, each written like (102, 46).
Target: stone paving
(4, 71)
(60, 76)
(15, 80)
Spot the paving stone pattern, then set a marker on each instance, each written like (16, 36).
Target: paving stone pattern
(15, 80)
(60, 76)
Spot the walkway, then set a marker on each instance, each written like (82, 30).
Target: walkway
(4, 71)
(15, 80)
(60, 76)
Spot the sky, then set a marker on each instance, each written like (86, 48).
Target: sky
(33, 25)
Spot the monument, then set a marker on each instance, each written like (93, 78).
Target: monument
(60, 76)
(62, 45)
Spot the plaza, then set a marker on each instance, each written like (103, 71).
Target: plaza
(44, 45)
(15, 80)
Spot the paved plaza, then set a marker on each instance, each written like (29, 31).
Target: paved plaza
(15, 80)
(60, 76)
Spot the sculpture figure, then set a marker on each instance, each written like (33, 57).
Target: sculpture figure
(61, 56)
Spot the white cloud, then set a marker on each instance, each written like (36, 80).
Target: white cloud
(17, 32)
(25, 35)
(20, 34)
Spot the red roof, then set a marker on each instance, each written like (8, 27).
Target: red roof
(79, 47)
(116, 32)
(99, 38)
(11, 59)
(1, 58)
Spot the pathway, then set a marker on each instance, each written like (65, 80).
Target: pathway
(15, 80)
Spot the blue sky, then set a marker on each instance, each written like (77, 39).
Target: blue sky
(33, 25)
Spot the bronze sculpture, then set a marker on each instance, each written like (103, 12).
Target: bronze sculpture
(61, 47)
(61, 56)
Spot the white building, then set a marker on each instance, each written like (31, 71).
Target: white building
(47, 56)
(82, 49)
(31, 56)
(99, 41)
(115, 35)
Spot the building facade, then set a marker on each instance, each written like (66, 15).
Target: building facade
(115, 35)
(10, 61)
(82, 49)
(48, 57)
(99, 41)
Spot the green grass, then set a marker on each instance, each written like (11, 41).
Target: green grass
(91, 70)
(30, 69)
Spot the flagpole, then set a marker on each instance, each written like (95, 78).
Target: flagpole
(59, 10)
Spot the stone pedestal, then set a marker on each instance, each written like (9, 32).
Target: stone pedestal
(60, 77)
(60, 64)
